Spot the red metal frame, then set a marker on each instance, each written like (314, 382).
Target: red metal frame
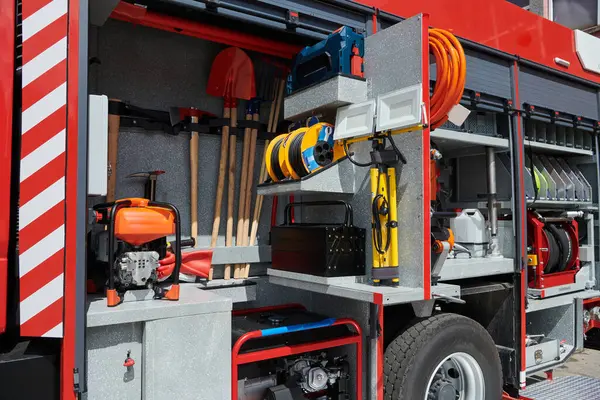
(500, 25)
(71, 243)
(238, 359)
(139, 15)
(538, 279)
(523, 244)
(7, 68)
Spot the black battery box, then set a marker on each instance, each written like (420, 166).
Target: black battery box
(328, 250)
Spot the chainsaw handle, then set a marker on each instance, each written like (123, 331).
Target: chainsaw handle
(177, 248)
(348, 216)
(115, 207)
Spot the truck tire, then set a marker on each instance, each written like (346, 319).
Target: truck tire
(443, 357)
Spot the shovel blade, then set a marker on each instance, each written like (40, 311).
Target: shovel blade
(232, 75)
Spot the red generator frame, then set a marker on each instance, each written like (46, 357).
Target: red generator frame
(538, 241)
(239, 358)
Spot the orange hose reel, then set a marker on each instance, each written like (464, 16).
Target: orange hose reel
(451, 71)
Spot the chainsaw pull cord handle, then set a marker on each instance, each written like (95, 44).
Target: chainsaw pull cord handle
(114, 208)
(348, 216)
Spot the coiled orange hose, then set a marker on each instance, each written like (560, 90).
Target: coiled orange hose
(450, 74)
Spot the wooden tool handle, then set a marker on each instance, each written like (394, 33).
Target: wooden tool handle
(239, 237)
(244, 188)
(250, 182)
(259, 199)
(231, 190)
(220, 181)
(194, 182)
(278, 100)
(249, 191)
(114, 122)
(273, 105)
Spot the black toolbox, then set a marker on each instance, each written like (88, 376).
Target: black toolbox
(328, 250)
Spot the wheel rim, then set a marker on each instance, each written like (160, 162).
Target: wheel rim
(457, 377)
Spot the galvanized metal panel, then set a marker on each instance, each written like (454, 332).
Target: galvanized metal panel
(564, 387)
(540, 88)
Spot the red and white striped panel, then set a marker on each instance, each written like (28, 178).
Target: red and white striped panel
(42, 195)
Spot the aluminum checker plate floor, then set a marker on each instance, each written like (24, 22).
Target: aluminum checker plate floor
(564, 387)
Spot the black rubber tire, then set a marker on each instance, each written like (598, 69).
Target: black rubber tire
(564, 243)
(411, 358)
(553, 252)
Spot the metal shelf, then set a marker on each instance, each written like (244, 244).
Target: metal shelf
(555, 149)
(325, 97)
(466, 143)
(464, 268)
(562, 204)
(355, 288)
(335, 178)
(557, 301)
(539, 204)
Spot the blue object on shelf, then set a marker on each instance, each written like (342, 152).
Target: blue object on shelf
(341, 53)
(297, 328)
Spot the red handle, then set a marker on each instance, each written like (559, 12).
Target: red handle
(129, 362)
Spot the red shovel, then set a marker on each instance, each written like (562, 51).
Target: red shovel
(231, 77)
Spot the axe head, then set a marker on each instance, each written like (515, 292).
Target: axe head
(178, 114)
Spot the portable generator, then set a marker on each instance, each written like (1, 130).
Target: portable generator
(284, 352)
(138, 228)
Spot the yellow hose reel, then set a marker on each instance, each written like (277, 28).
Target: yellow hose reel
(302, 152)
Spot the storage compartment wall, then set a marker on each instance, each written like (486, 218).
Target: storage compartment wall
(158, 70)
(170, 345)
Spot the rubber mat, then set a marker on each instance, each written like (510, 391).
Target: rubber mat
(564, 387)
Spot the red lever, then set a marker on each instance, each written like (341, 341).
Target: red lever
(129, 362)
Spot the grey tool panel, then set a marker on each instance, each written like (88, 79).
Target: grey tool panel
(564, 387)
(159, 70)
(539, 88)
(399, 45)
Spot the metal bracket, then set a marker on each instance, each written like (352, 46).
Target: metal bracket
(212, 5)
(423, 308)
(449, 299)
(76, 384)
(292, 19)
(439, 263)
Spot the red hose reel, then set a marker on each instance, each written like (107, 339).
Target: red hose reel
(553, 245)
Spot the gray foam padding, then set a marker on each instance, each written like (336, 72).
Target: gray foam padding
(158, 70)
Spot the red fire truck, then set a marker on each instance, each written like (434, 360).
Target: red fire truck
(533, 91)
